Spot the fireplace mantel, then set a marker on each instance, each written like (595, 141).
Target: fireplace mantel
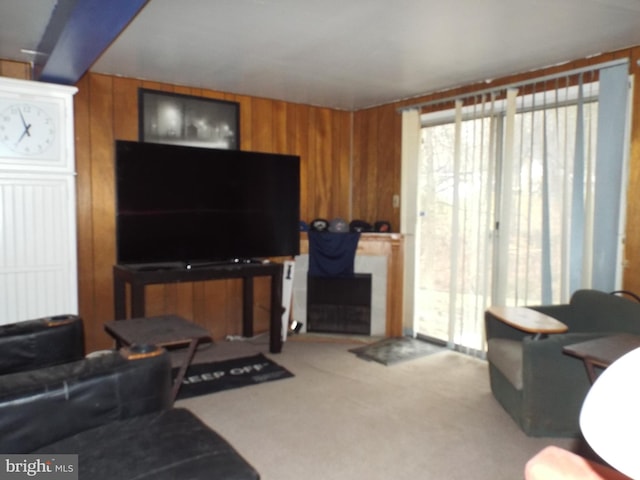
(391, 246)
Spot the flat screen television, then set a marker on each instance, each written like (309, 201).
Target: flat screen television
(189, 205)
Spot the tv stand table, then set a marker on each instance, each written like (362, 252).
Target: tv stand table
(138, 279)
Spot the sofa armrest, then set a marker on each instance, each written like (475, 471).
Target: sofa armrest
(40, 343)
(42, 406)
(496, 328)
(574, 315)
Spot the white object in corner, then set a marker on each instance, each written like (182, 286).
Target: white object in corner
(287, 290)
(610, 418)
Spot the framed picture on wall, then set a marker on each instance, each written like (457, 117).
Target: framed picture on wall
(188, 120)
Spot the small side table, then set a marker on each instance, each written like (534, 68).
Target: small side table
(602, 352)
(528, 320)
(167, 331)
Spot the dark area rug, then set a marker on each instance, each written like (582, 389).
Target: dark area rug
(204, 378)
(395, 350)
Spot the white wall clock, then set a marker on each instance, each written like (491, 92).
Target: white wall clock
(36, 126)
(29, 129)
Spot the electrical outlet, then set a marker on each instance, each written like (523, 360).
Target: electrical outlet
(396, 201)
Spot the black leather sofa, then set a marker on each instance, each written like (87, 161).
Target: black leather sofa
(115, 412)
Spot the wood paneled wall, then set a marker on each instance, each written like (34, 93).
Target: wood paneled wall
(106, 109)
(376, 164)
(350, 168)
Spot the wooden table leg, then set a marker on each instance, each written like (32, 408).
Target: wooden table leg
(138, 300)
(591, 365)
(275, 327)
(177, 383)
(119, 298)
(247, 307)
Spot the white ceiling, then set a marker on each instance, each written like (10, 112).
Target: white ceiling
(346, 54)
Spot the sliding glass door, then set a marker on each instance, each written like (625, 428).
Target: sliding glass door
(507, 184)
(454, 239)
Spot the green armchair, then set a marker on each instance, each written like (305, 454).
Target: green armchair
(535, 382)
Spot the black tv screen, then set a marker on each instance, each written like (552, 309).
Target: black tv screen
(189, 205)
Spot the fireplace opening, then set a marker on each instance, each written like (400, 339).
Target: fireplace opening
(339, 304)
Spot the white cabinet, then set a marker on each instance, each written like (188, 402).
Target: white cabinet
(38, 252)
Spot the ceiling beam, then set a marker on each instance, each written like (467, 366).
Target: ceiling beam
(77, 34)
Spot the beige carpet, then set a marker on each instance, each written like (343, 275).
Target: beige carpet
(342, 417)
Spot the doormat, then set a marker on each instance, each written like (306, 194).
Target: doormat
(395, 350)
(204, 378)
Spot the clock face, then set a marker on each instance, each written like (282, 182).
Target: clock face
(27, 129)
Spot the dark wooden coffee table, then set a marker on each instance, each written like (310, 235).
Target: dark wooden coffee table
(602, 352)
(167, 331)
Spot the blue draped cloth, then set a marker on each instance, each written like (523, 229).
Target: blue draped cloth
(332, 254)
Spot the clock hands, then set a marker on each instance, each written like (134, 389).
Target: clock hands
(27, 127)
(25, 133)
(22, 118)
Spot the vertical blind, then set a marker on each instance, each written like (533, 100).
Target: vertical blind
(519, 193)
